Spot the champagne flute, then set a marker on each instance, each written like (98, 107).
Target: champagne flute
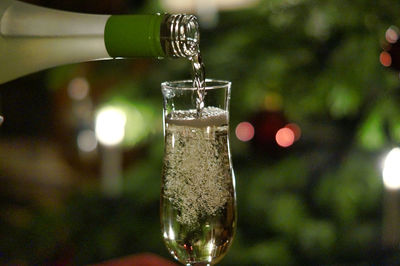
(198, 202)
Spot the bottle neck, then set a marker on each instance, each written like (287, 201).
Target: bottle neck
(133, 36)
(152, 36)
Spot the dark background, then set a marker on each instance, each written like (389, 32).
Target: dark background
(320, 201)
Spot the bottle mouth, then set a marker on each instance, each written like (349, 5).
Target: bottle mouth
(183, 35)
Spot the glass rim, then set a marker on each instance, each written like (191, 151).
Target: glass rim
(174, 85)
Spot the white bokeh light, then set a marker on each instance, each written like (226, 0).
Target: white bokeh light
(110, 126)
(86, 140)
(391, 169)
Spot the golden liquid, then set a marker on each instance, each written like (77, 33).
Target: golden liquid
(198, 208)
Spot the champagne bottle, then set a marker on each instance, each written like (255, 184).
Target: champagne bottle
(34, 38)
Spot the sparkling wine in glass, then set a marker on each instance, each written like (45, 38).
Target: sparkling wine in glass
(198, 202)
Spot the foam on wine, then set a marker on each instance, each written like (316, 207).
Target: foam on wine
(211, 116)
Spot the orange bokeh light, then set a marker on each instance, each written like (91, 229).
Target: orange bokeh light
(285, 137)
(385, 58)
(244, 131)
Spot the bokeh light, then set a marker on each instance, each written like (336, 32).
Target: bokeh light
(78, 88)
(391, 34)
(244, 131)
(385, 58)
(285, 137)
(86, 140)
(110, 126)
(296, 130)
(391, 169)
(1, 120)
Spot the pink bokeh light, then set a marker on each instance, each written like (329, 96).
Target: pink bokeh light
(244, 131)
(285, 137)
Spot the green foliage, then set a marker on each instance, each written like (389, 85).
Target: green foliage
(371, 134)
(317, 238)
(351, 193)
(286, 214)
(270, 253)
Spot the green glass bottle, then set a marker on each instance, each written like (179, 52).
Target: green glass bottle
(34, 38)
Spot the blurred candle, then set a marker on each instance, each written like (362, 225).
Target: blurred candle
(110, 131)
